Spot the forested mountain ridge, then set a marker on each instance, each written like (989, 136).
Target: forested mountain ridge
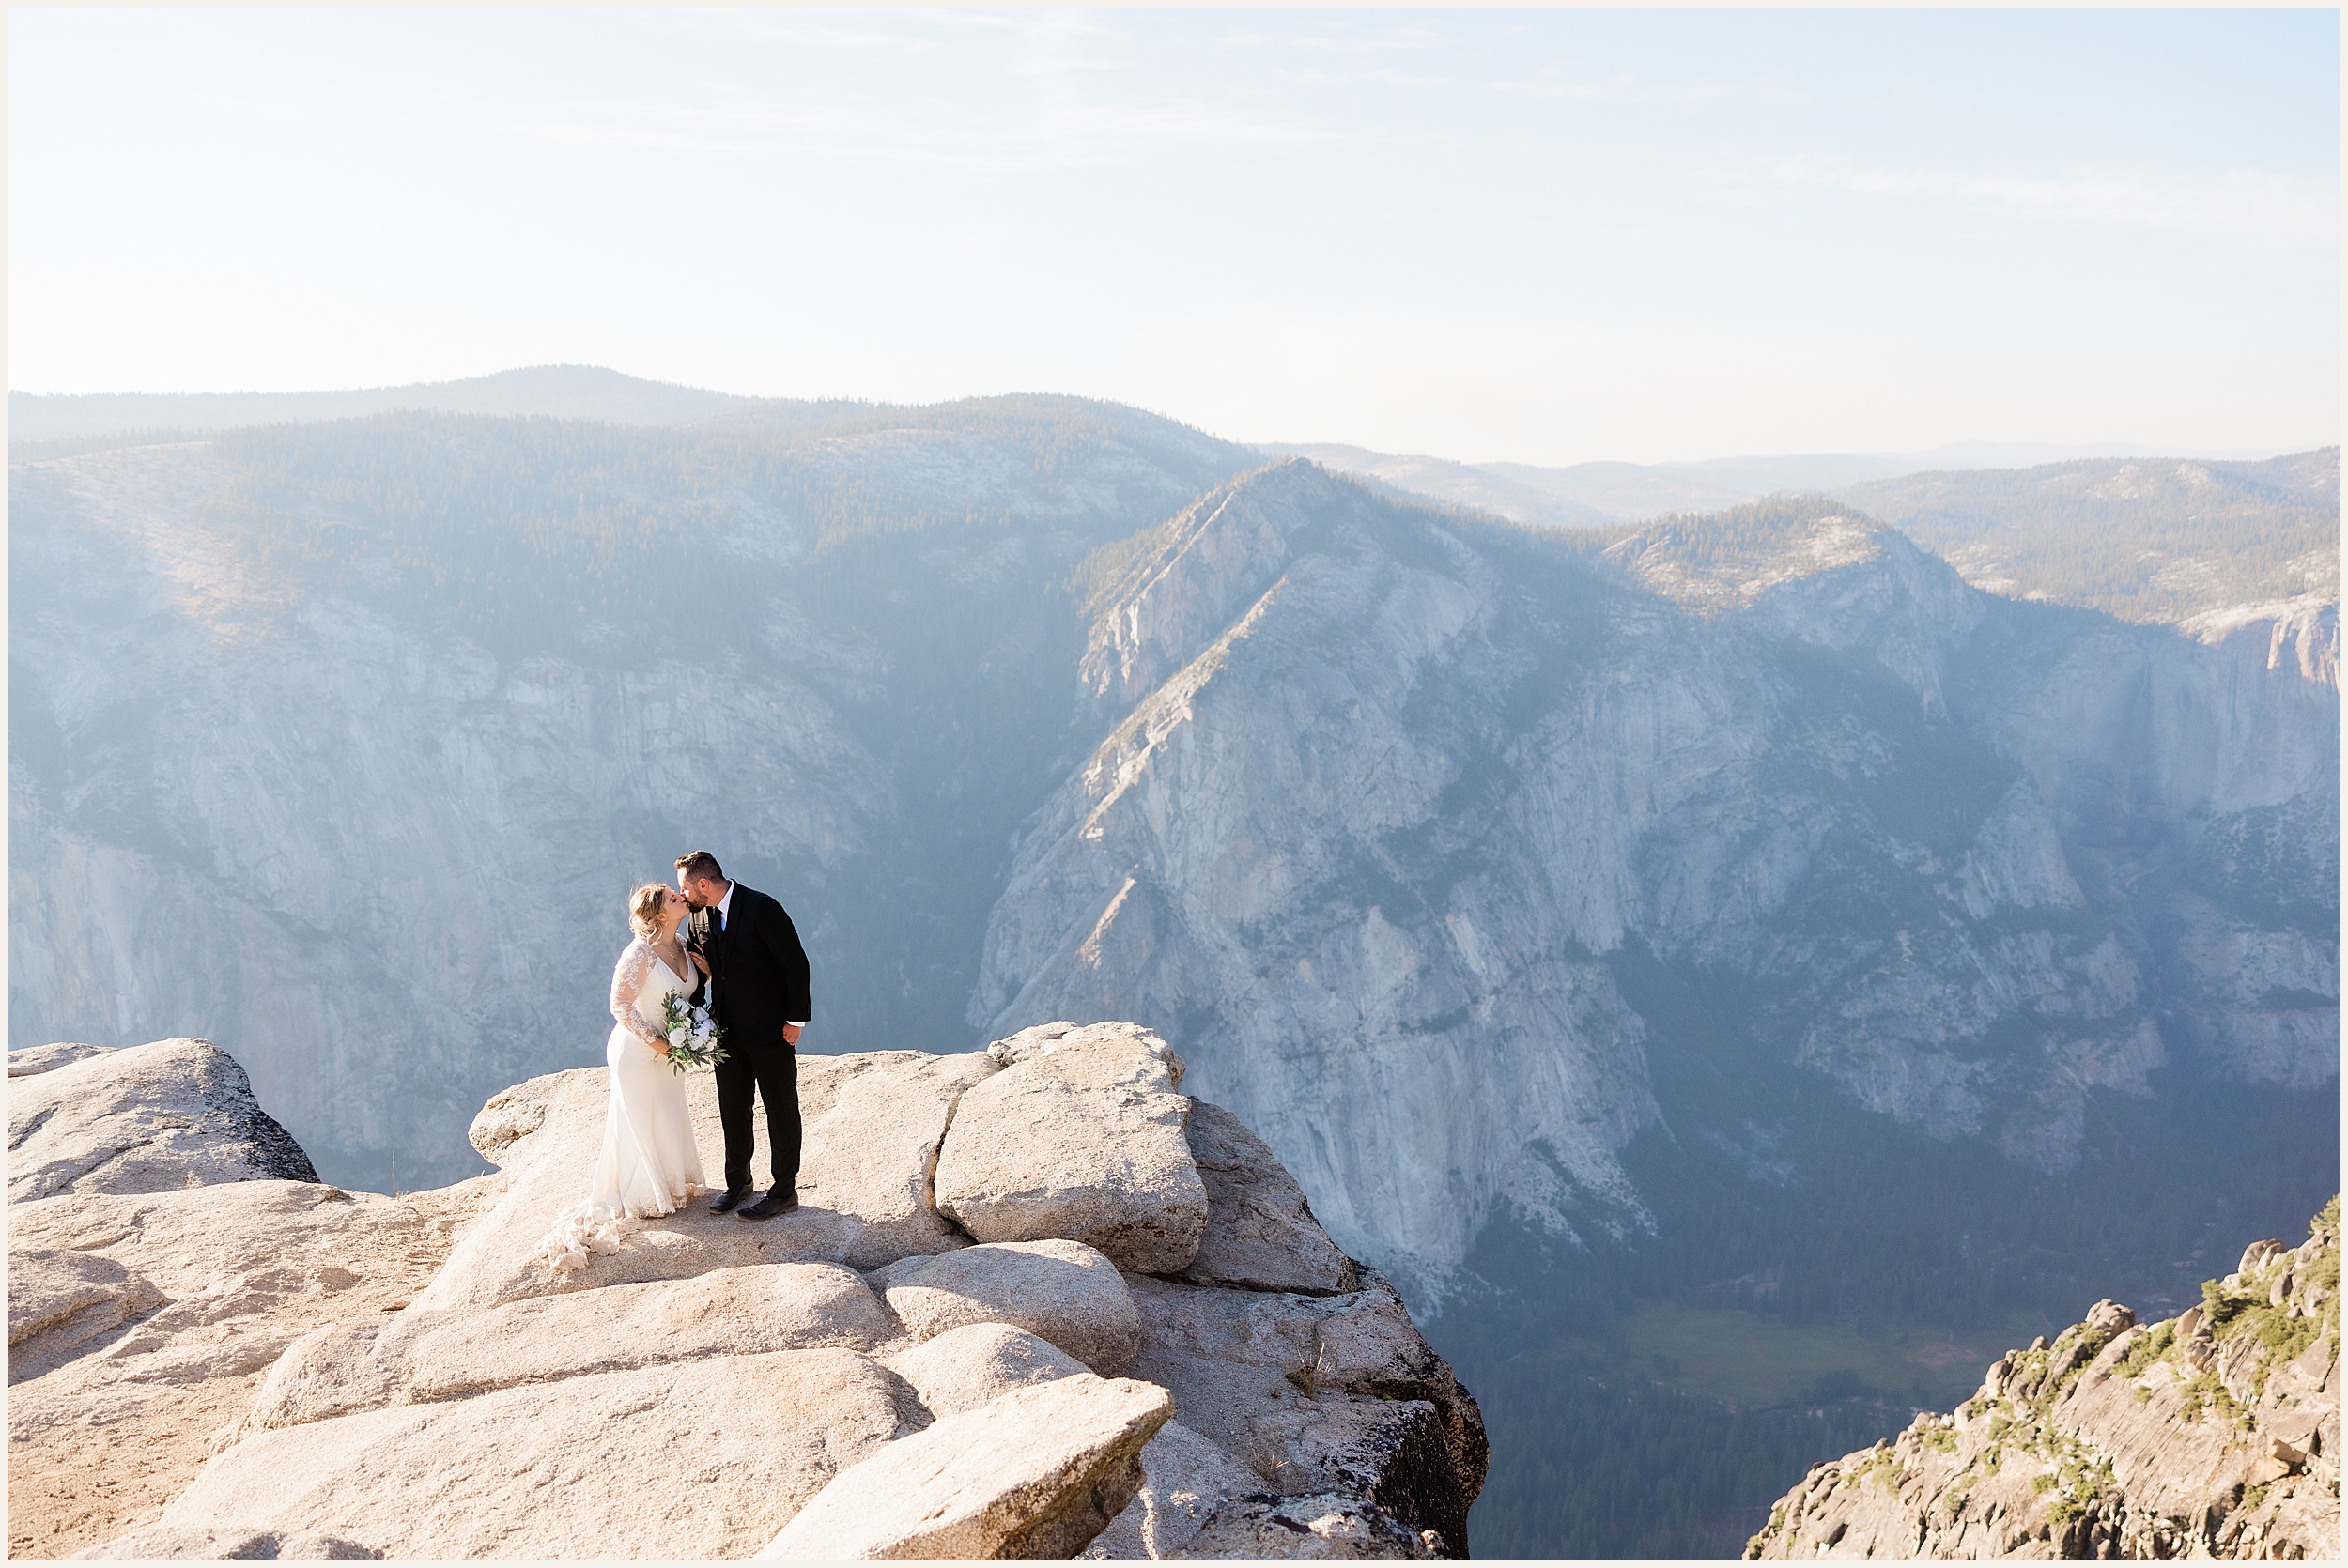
(1604, 493)
(2144, 539)
(540, 532)
(1585, 920)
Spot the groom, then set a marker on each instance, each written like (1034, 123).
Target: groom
(758, 981)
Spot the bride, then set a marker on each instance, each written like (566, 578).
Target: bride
(648, 1163)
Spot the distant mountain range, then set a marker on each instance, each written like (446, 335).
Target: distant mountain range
(2144, 538)
(2072, 525)
(560, 391)
(1581, 495)
(1593, 495)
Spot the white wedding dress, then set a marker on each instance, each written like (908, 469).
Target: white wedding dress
(650, 1164)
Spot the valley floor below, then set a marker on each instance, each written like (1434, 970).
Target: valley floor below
(1747, 1360)
(1672, 1433)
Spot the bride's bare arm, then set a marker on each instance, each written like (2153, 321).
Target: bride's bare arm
(628, 980)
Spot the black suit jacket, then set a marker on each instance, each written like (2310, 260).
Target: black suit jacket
(759, 967)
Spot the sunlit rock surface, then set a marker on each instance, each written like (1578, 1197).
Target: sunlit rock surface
(271, 1365)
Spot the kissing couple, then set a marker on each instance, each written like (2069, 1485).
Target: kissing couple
(708, 943)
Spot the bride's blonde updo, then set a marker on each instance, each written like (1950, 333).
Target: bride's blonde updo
(644, 909)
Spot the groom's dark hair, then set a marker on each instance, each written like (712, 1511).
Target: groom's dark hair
(698, 865)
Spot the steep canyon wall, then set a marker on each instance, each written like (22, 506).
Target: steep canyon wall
(1395, 822)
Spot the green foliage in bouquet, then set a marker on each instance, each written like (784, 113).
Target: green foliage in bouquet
(693, 1039)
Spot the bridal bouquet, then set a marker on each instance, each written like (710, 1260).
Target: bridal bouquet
(692, 1038)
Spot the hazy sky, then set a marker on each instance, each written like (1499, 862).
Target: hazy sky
(1541, 236)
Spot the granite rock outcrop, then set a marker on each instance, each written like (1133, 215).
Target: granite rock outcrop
(427, 1354)
(965, 1368)
(146, 1119)
(2213, 1434)
(1264, 1236)
(143, 1323)
(897, 1387)
(1035, 1473)
(1034, 1161)
(1062, 1292)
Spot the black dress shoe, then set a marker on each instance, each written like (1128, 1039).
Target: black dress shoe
(781, 1199)
(727, 1199)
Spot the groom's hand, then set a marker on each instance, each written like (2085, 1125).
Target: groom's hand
(790, 1034)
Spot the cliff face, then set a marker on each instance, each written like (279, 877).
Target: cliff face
(303, 812)
(1394, 806)
(1413, 835)
(1036, 1303)
(2211, 1433)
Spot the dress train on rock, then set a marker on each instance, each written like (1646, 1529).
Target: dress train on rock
(648, 1163)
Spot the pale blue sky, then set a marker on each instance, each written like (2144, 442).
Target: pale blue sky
(1541, 236)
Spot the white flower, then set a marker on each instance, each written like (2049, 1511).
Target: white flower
(676, 1035)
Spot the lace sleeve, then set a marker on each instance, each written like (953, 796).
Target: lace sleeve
(628, 979)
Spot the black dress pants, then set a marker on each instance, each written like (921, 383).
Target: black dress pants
(770, 1073)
